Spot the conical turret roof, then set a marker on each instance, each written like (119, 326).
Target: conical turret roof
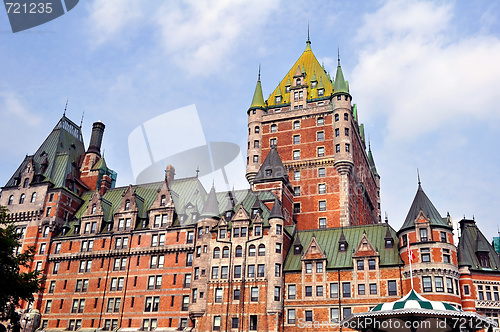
(211, 207)
(276, 210)
(341, 85)
(258, 98)
(371, 161)
(272, 168)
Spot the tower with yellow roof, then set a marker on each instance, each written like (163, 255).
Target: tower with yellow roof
(311, 121)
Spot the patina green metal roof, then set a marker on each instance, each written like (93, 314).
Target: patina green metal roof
(328, 240)
(258, 97)
(340, 85)
(371, 161)
(471, 242)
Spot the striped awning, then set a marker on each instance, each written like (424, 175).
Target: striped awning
(413, 300)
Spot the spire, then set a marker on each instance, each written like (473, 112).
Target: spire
(418, 177)
(340, 85)
(65, 107)
(276, 210)
(371, 161)
(308, 42)
(211, 207)
(258, 98)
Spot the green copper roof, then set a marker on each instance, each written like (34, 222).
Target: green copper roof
(258, 98)
(340, 85)
(328, 240)
(471, 242)
(422, 203)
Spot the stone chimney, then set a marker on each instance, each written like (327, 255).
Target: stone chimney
(96, 138)
(169, 173)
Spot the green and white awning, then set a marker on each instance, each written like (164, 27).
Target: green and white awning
(413, 300)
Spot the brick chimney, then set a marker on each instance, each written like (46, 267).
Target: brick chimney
(169, 173)
(96, 138)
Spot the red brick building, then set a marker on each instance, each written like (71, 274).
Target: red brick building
(305, 245)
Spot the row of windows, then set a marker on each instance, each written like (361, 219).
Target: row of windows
(424, 236)
(253, 271)
(321, 173)
(296, 125)
(320, 152)
(235, 323)
(242, 232)
(112, 324)
(439, 285)
(482, 290)
(321, 189)
(22, 198)
(346, 289)
(321, 207)
(239, 251)
(308, 315)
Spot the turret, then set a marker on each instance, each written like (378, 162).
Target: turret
(255, 112)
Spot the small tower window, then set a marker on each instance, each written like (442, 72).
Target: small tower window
(423, 234)
(336, 117)
(274, 128)
(347, 131)
(347, 147)
(127, 205)
(298, 81)
(33, 197)
(346, 117)
(93, 209)
(257, 129)
(269, 172)
(272, 142)
(11, 200)
(337, 148)
(337, 132)
(162, 200)
(256, 144)
(21, 199)
(255, 159)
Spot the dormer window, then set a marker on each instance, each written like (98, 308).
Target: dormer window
(298, 81)
(269, 172)
(484, 259)
(127, 205)
(423, 234)
(342, 246)
(25, 184)
(163, 200)
(314, 84)
(287, 89)
(93, 209)
(228, 214)
(255, 212)
(389, 243)
(321, 92)
(277, 99)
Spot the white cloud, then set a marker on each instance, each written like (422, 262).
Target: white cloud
(14, 109)
(419, 75)
(201, 36)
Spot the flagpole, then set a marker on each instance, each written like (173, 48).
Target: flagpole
(410, 258)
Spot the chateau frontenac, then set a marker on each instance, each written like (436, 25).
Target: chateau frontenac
(305, 243)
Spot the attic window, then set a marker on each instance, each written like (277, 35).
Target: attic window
(343, 246)
(314, 84)
(25, 184)
(93, 209)
(287, 89)
(389, 243)
(277, 99)
(163, 200)
(321, 92)
(297, 250)
(127, 205)
(298, 81)
(484, 259)
(269, 172)
(255, 212)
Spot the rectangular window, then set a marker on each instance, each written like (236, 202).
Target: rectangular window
(334, 291)
(53, 286)
(309, 291)
(321, 151)
(346, 289)
(236, 294)
(237, 271)
(272, 142)
(277, 270)
(373, 289)
(322, 205)
(296, 191)
(291, 292)
(261, 268)
(236, 232)
(291, 316)
(251, 271)
(319, 290)
(296, 155)
(322, 222)
(337, 148)
(256, 144)
(371, 264)
(308, 267)
(427, 284)
(296, 139)
(346, 312)
(347, 147)
(254, 295)
(319, 267)
(224, 272)
(361, 265)
(425, 254)
(320, 136)
(443, 237)
(449, 287)
(334, 315)
(438, 281)
(278, 248)
(217, 323)
(446, 258)
(466, 290)
(277, 293)
(361, 289)
(309, 316)
(253, 322)
(392, 287)
(296, 207)
(215, 272)
(234, 322)
(296, 175)
(423, 234)
(48, 306)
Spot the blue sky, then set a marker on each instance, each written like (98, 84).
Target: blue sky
(425, 76)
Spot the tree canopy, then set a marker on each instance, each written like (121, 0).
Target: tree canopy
(15, 284)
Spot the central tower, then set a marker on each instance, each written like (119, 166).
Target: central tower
(311, 121)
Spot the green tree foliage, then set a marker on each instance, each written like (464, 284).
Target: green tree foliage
(15, 285)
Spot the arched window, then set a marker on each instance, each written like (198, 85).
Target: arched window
(298, 81)
(163, 200)
(257, 129)
(274, 128)
(225, 252)
(251, 250)
(346, 116)
(262, 250)
(93, 209)
(239, 251)
(336, 117)
(33, 197)
(127, 205)
(21, 199)
(25, 184)
(11, 199)
(320, 121)
(216, 252)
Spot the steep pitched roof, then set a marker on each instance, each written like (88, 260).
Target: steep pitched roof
(328, 239)
(312, 68)
(371, 161)
(341, 85)
(258, 98)
(272, 168)
(211, 206)
(60, 152)
(422, 203)
(471, 242)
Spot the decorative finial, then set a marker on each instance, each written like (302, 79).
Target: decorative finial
(308, 40)
(258, 79)
(386, 218)
(65, 107)
(338, 55)
(418, 177)
(197, 170)
(81, 122)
